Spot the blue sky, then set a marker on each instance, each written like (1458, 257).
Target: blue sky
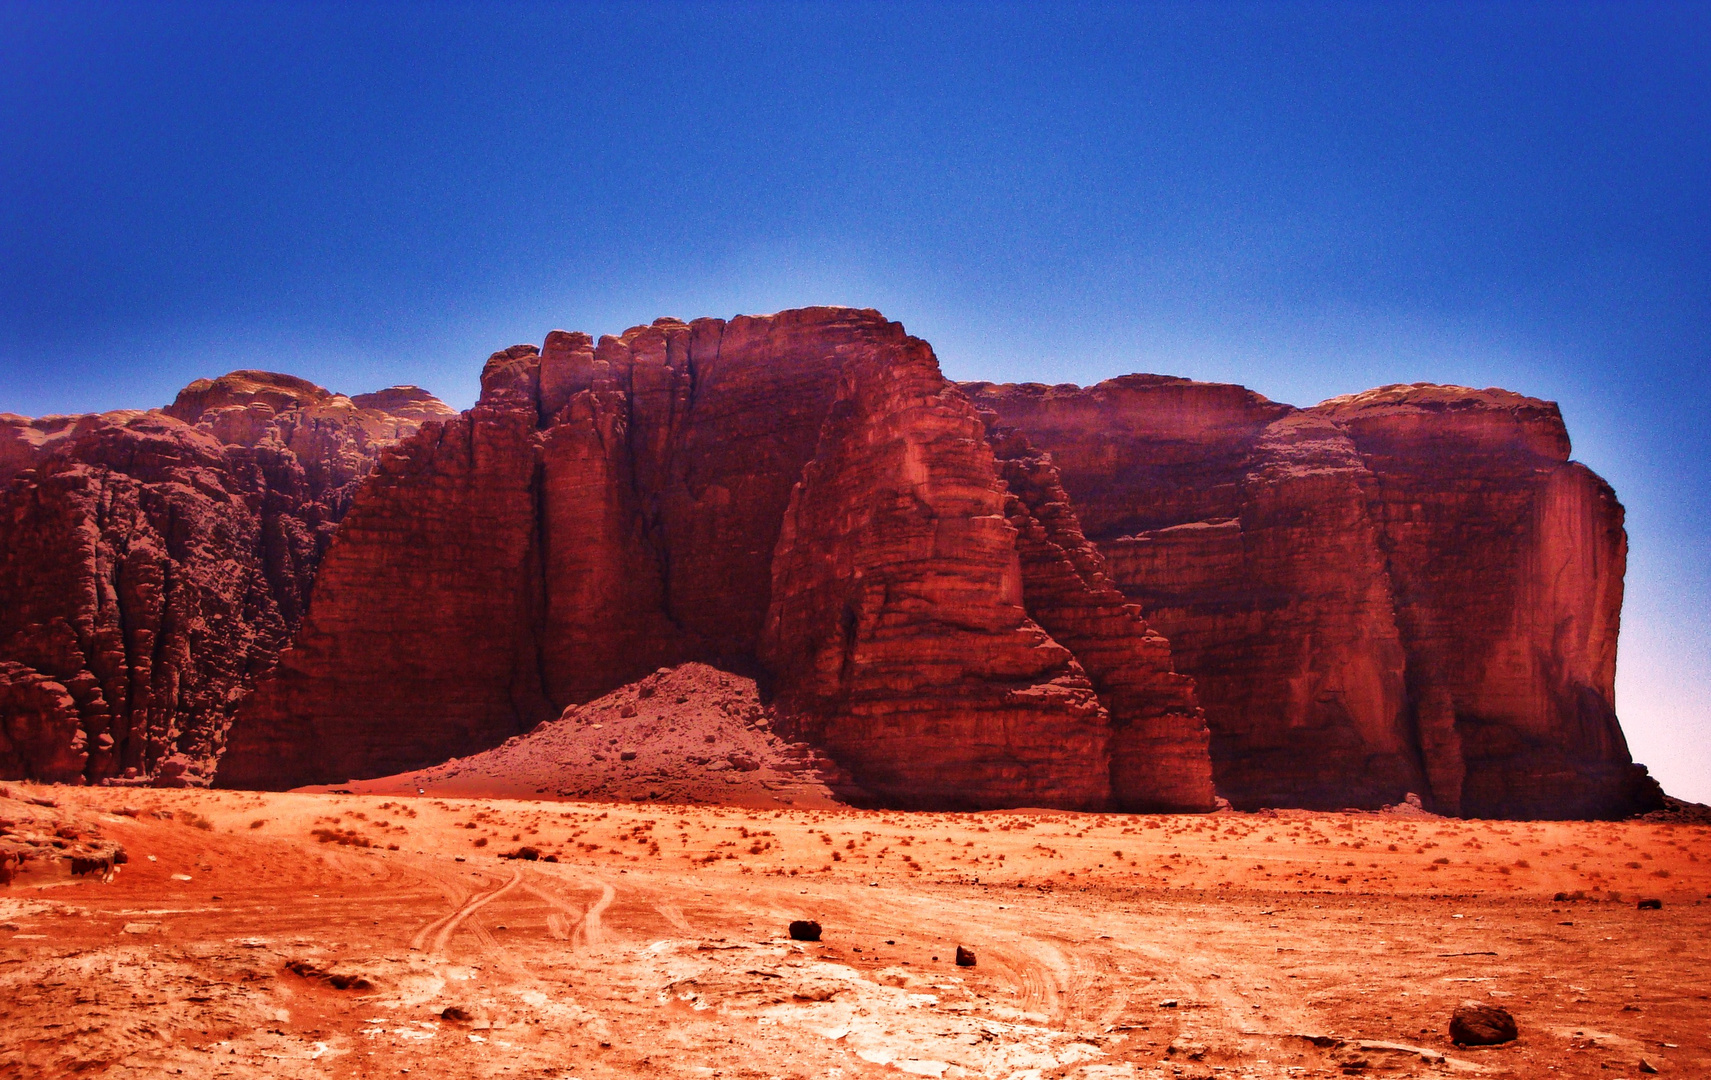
(1307, 199)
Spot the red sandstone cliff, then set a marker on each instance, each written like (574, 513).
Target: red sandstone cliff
(897, 628)
(801, 495)
(1406, 590)
(1159, 740)
(1507, 560)
(152, 564)
(959, 593)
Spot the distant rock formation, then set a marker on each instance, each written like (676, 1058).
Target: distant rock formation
(1411, 589)
(152, 564)
(967, 596)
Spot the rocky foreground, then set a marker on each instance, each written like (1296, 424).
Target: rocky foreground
(1137, 596)
(295, 935)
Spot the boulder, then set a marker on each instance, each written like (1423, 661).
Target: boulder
(1476, 1023)
(804, 930)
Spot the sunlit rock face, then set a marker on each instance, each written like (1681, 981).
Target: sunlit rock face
(152, 564)
(1411, 589)
(1140, 595)
(1507, 559)
(802, 496)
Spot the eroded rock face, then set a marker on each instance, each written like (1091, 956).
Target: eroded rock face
(800, 495)
(151, 564)
(897, 627)
(1133, 595)
(1508, 560)
(1159, 739)
(1407, 590)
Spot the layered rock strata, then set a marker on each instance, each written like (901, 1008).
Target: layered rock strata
(1159, 739)
(1412, 589)
(802, 496)
(897, 627)
(1408, 590)
(1507, 560)
(152, 564)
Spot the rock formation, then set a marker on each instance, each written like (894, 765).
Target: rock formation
(1159, 752)
(1507, 560)
(1135, 595)
(897, 628)
(1411, 589)
(153, 563)
(802, 496)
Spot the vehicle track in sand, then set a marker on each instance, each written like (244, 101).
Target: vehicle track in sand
(443, 928)
(584, 925)
(629, 962)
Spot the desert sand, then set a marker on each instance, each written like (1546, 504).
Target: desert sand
(309, 935)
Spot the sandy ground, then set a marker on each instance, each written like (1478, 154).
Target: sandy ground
(256, 934)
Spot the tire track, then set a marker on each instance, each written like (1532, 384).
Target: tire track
(448, 925)
(471, 908)
(585, 923)
(592, 932)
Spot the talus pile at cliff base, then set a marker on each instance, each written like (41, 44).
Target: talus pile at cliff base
(1139, 595)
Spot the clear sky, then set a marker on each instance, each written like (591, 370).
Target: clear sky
(1307, 199)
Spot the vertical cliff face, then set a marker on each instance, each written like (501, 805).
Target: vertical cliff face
(1241, 527)
(607, 508)
(802, 495)
(152, 564)
(897, 625)
(1507, 560)
(1159, 739)
(1130, 595)
(1407, 590)
(420, 616)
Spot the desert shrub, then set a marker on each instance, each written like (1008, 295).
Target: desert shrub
(342, 837)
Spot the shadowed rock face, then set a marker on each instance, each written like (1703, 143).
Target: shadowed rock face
(1507, 560)
(802, 495)
(152, 564)
(1411, 589)
(1159, 752)
(897, 626)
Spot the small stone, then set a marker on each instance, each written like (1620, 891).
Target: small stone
(804, 930)
(1187, 1048)
(964, 956)
(1476, 1023)
(1647, 1067)
(1650, 903)
(452, 1012)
